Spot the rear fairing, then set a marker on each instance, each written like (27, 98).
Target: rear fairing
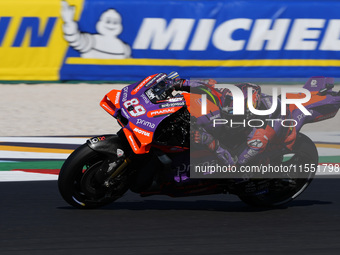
(324, 102)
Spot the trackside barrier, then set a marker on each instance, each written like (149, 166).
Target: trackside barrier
(127, 40)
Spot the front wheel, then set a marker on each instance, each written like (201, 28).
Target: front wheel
(83, 179)
(281, 191)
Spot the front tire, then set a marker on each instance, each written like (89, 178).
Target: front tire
(79, 184)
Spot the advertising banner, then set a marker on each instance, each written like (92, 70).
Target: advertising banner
(128, 40)
(31, 42)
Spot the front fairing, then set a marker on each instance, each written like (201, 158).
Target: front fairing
(142, 115)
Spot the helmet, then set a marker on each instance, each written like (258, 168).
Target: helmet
(227, 103)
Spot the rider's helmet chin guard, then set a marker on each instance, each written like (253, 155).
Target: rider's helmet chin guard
(227, 108)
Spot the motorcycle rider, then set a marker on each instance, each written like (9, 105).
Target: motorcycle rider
(254, 140)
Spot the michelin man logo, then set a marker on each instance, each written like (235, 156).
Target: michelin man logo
(103, 45)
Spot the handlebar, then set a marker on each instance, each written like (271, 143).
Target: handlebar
(163, 89)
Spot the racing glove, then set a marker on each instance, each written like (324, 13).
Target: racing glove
(184, 85)
(178, 84)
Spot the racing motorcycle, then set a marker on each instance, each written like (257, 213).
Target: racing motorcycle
(150, 154)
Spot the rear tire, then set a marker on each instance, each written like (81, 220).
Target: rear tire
(305, 152)
(78, 183)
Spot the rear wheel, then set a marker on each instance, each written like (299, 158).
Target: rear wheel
(275, 192)
(82, 178)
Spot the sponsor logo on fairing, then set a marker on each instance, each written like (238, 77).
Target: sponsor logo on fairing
(156, 79)
(146, 100)
(125, 94)
(176, 99)
(161, 112)
(108, 109)
(142, 132)
(141, 85)
(167, 105)
(149, 93)
(117, 98)
(301, 116)
(97, 139)
(145, 123)
(134, 146)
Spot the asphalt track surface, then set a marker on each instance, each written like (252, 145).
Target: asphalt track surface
(35, 220)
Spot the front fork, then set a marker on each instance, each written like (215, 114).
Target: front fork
(116, 149)
(120, 157)
(119, 171)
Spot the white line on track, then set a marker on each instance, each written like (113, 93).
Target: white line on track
(18, 176)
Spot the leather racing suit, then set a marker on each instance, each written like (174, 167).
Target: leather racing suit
(248, 141)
